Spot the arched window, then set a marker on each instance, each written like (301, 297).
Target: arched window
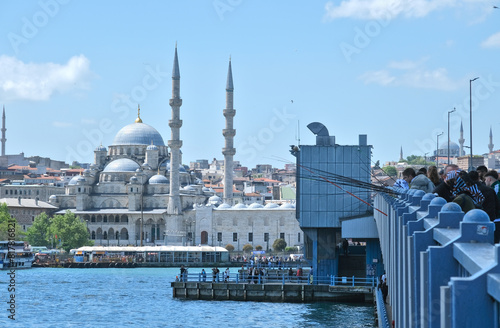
(93, 235)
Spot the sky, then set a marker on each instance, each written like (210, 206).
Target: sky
(72, 74)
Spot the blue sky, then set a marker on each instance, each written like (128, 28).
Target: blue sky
(73, 72)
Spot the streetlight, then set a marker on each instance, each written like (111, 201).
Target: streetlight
(470, 95)
(449, 112)
(437, 148)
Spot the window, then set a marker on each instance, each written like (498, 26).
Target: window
(250, 236)
(282, 235)
(219, 236)
(266, 236)
(298, 237)
(235, 236)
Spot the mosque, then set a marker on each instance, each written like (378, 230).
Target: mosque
(137, 192)
(457, 150)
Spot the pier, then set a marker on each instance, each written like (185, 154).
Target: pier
(238, 287)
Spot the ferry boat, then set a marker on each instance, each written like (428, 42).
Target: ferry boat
(23, 258)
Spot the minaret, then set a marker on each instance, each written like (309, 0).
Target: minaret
(401, 154)
(228, 151)
(461, 140)
(3, 132)
(490, 146)
(174, 202)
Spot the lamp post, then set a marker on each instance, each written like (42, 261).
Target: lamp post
(437, 148)
(449, 112)
(470, 95)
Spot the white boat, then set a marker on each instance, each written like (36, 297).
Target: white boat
(15, 255)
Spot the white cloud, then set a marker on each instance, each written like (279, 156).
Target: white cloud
(411, 74)
(492, 42)
(382, 77)
(390, 9)
(39, 81)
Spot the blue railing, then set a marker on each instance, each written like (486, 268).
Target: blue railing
(443, 268)
(274, 278)
(353, 281)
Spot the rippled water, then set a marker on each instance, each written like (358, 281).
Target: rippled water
(142, 297)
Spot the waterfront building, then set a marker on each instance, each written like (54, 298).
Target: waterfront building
(25, 210)
(137, 192)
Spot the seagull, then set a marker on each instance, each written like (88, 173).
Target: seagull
(495, 7)
(291, 101)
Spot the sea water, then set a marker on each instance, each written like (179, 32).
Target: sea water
(142, 297)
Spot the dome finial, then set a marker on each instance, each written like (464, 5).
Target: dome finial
(138, 119)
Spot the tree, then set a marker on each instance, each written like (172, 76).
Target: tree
(229, 247)
(38, 232)
(9, 228)
(258, 248)
(291, 249)
(247, 248)
(390, 171)
(70, 231)
(279, 245)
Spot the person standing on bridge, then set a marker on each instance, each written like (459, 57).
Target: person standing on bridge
(345, 246)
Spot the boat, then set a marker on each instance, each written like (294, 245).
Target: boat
(15, 255)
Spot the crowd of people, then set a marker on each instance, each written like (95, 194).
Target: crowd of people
(477, 189)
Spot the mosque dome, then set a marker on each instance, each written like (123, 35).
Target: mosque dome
(255, 205)
(188, 188)
(214, 199)
(101, 148)
(122, 165)
(152, 147)
(287, 205)
(138, 134)
(224, 206)
(158, 179)
(271, 205)
(240, 205)
(74, 180)
(453, 146)
(52, 198)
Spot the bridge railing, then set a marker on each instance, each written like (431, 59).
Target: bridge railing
(442, 265)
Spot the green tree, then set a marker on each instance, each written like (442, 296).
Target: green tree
(390, 170)
(38, 233)
(70, 230)
(416, 160)
(258, 248)
(229, 247)
(279, 245)
(292, 249)
(247, 248)
(9, 228)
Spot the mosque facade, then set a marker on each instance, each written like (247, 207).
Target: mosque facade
(137, 192)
